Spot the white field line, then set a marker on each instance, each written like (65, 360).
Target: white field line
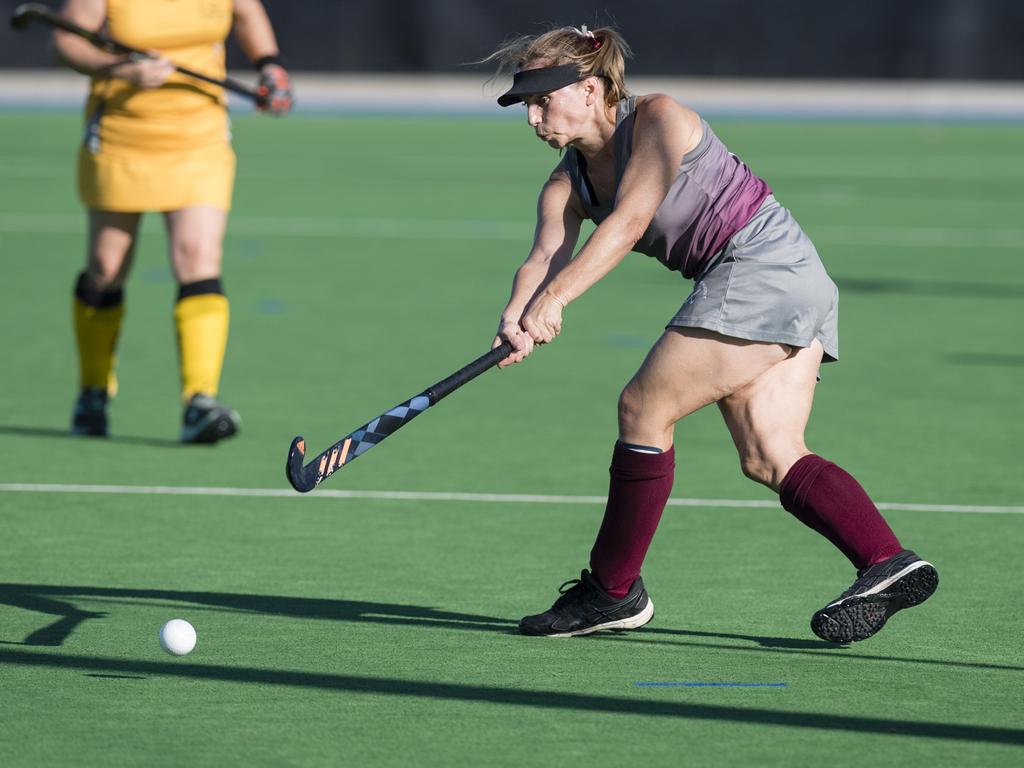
(469, 229)
(470, 93)
(822, 167)
(514, 498)
(300, 226)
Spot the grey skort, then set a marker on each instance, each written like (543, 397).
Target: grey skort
(769, 285)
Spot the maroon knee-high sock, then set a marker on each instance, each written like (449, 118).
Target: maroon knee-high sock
(824, 497)
(639, 488)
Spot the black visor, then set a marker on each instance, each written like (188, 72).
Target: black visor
(541, 80)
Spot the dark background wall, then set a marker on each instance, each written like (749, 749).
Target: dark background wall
(958, 39)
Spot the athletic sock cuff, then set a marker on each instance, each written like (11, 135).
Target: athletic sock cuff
(95, 297)
(633, 465)
(641, 448)
(201, 288)
(799, 479)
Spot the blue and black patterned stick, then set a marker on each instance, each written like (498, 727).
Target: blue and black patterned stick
(306, 478)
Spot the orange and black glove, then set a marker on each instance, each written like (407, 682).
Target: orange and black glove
(274, 88)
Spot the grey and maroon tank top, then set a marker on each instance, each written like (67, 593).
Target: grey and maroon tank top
(714, 195)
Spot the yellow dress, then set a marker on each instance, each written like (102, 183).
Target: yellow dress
(164, 148)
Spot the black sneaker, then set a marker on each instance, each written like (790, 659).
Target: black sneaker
(584, 608)
(89, 416)
(880, 590)
(207, 421)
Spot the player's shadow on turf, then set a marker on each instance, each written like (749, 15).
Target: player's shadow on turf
(537, 700)
(786, 645)
(987, 359)
(160, 442)
(60, 601)
(46, 599)
(763, 641)
(941, 288)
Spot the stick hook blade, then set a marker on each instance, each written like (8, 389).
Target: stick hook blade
(301, 481)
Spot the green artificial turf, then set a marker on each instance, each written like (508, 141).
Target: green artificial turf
(368, 258)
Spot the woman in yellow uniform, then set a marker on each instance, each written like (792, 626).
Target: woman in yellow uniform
(157, 140)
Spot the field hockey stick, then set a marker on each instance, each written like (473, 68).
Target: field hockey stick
(306, 478)
(28, 12)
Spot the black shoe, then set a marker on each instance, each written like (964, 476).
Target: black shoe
(89, 416)
(207, 421)
(584, 608)
(880, 590)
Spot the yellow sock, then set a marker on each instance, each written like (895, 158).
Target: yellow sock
(202, 322)
(96, 332)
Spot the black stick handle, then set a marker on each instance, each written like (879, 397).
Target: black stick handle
(26, 12)
(469, 372)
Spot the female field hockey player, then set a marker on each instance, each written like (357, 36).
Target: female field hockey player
(750, 337)
(157, 140)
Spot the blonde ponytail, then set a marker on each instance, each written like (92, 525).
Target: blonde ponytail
(600, 53)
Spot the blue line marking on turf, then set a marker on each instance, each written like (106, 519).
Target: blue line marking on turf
(271, 307)
(710, 685)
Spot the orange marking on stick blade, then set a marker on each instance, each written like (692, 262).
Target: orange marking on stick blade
(344, 450)
(334, 458)
(323, 464)
(301, 445)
